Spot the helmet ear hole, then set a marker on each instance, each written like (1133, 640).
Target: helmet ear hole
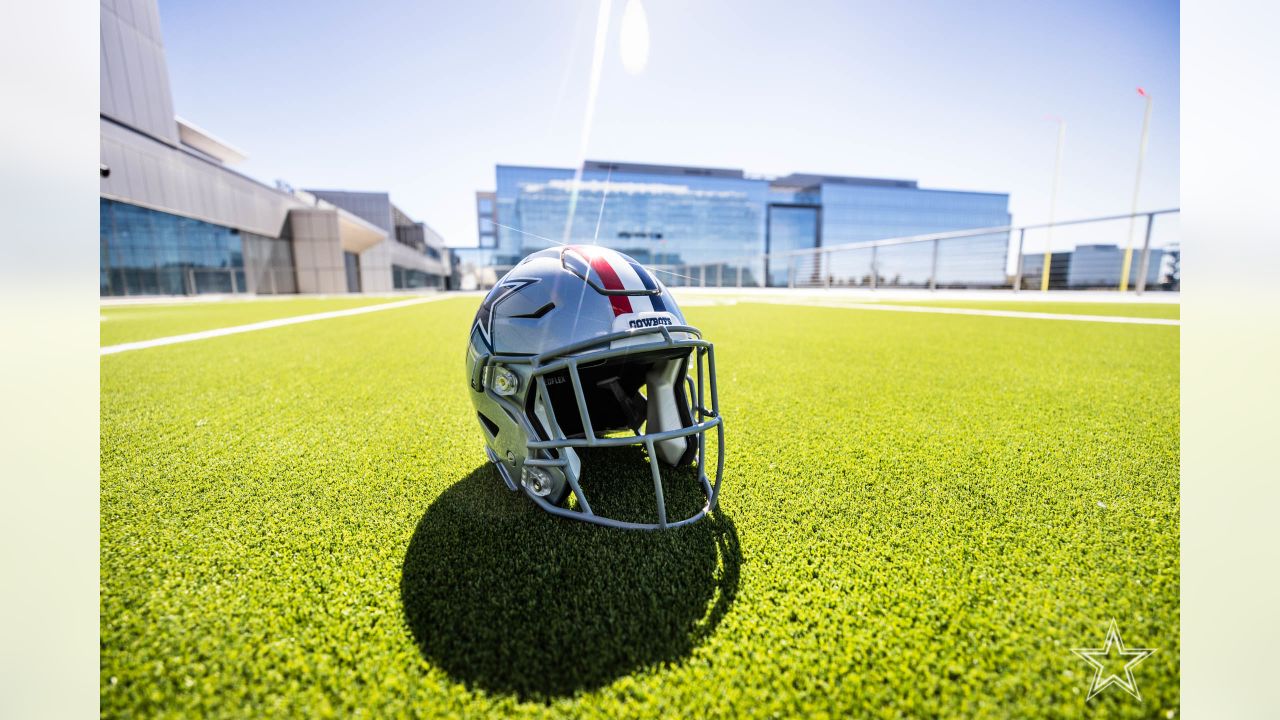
(489, 426)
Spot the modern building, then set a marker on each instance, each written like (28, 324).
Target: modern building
(177, 219)
(416, 258)
(726, 227)
(1091, 266)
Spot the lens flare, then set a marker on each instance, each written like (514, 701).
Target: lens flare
(634, 41)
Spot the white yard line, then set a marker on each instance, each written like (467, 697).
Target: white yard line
(775, 300)
(969, 311)
(267, 324)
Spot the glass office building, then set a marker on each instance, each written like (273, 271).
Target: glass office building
(1091, 267)
(148, 252)
(659, 215)
(859, 212)
(176, 219)
(718, 226)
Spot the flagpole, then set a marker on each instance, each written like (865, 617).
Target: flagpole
(1137, 185)
(1053, 206)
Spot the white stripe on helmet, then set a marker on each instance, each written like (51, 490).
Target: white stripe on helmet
(630, 281)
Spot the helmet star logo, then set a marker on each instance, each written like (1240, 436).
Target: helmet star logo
(500, 292)
(1107, 658)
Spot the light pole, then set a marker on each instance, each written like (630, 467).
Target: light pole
(1053, 204)
(1137, 185)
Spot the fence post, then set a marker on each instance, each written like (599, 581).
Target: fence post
(933, 273)
(826, 269)
(720, 275)
(1017, 274)
(702, 276)
(1146, 255)
(234, 285)
(791, 271)
(874, 270)
(740, 276)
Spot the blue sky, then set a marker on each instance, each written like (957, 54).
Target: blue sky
(423, 99)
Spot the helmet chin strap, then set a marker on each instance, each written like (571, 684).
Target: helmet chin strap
(664, 413)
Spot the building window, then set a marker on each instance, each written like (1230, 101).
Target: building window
(146, 252)
(404, 278)
(791, 228)
(352, 262)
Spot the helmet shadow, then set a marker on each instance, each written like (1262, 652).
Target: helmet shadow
(509, 599)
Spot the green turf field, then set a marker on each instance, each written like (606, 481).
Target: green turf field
(129, 323)
(922, 515)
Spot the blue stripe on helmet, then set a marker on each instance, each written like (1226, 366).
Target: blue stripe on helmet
(649, 284)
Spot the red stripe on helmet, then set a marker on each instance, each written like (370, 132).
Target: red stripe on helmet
(600, 263)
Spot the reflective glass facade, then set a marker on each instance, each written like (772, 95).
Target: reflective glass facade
(791, 227)
(403, 278)
(721, 222)
(660, 219)
(853, 213)
(145, 252)
(1091, 266)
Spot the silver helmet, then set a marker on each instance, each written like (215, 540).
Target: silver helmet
(574, 348)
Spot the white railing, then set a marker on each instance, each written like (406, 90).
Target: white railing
(1090, 253)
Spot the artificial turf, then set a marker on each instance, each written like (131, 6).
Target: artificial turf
(129, 323)
(922, 515)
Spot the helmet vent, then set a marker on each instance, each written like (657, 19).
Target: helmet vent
(490, 426)
(537, 313)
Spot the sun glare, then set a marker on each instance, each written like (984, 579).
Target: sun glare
(634, 45)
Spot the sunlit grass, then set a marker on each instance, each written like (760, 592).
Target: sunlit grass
(922, 514)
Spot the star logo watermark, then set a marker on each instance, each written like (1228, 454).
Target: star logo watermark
(1113, 663)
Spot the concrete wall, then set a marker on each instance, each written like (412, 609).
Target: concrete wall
(163, 177)
(140, 142)
(148, 166)
(134, 78)
(317, 251)
(407, 257)
(375, 267)
(375, 263)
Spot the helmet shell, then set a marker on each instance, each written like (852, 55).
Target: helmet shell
(543, 305)
(585, 322)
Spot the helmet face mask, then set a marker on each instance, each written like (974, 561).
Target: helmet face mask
(580, 347)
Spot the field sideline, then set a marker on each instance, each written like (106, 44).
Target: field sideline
(922, 515)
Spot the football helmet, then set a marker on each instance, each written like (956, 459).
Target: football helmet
(581, 347)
